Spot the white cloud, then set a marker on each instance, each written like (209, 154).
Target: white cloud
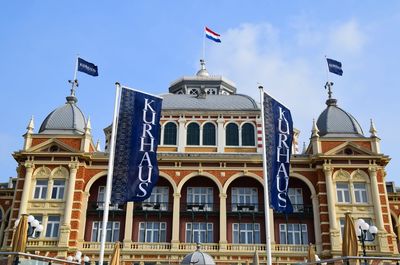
(347, 38)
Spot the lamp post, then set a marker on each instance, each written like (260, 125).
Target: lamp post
(33, 226)
(362, 229)
(78, 258)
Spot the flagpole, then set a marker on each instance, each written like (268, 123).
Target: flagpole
(109, 174)
(204, 45)
(327, 72)
(266, 186)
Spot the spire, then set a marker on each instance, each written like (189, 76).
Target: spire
(72, 98)
(304, 148)
(88, 126)
(202, 72)
(373, 130)
(31, 126)
(98, 148)
(314, 130)
(330, 101)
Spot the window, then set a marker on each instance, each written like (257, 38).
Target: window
(244, 199)
(101, 197)
(58, 189)
(248, 135)
(209, 134)
(152, 232)
(158, 199)
(342, 190)
(199, 198)
(193, 134)
(341, 224)
(296, 198)
(360, 193)
(232, 134)
(112, 234)
(246, 233)
(293, 234)
(170, 132)
(41, 189)
(53, 226)
(199, 233)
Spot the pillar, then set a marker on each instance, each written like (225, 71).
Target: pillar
(222, 221)
(128, 223)
(175, 221)
(182, 134)
(27, 188)
(330, 193)
(220, 135)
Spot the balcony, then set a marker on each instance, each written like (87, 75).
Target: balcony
(97, 207)
(153, 206)
(303, 210)
(235, 209)
(207, 209)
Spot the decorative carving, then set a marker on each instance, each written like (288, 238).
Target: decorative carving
(341, 175)
(42, 172)
(60, 172)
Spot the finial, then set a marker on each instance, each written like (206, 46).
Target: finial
(304, 148)
(373, 130)
(331, 101)
(31, 126)
(314, 130)
(202, 72)
(98, 148)
(72, 98)
(88, 126)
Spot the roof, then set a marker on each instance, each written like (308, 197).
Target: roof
(209, 102)
(198, 257)
(335, 122)
(66, 119)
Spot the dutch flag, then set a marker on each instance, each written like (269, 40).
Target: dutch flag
(212, 35)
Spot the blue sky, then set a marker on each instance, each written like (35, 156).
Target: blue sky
(149, 44)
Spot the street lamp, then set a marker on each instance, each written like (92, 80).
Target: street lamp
(33, 226)
(78, 258)
(362, 229)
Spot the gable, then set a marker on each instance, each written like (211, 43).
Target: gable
(53, 146)
(349, 149)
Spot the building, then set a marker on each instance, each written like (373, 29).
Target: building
(211, 184)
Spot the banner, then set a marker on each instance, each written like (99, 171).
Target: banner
(334, 66)
(88, 68)
(278, 147)
(135, 162)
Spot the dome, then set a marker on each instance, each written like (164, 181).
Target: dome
(198, 258)
(67, 119)
(335, 122)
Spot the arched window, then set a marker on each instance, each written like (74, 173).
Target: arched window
(248, 137)
(170, 133)
(232, 134)
(193, 134)
(209, 134)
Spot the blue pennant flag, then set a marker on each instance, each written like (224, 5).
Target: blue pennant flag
(278, 147)
(334, 66)
(135, 163)
(88, 68)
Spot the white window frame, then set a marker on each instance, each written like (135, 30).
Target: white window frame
(296, 198)
(41, 189)
(290, 233)
(53, 227)
(244, 199)
(203, 228)
(112, 231)
(58, 189)
(246, 233)
(362, 193)
(342, 192)
(200, 198)
(158, 200)
(149, 232)
(101, 195)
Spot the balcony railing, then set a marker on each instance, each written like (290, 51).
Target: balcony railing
(99, 206)
(41, 243)
(153, 206)
(301, 209)
(199, 207)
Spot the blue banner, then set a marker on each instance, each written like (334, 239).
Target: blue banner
(135, 163)
(278, 147)
(88, 68)
(334, 66)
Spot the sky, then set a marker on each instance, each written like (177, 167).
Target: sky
(148, 44)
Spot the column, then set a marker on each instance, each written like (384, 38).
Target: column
(222, 221)
(73, 168)
(175, 221)
(376, 197)
(82, 222)
(182, 134)
(27, 188)
(128, 223)
(271, 225)
(317, 223)
(330, 193)
(220, 135)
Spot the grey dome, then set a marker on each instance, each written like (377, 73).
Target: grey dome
(209, 102)
(335, 122)
(198, 258)
(67, 119)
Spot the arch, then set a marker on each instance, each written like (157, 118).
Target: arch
(238, 175)
(209, 133)
(193, 133)
(170, 133)
(170, 180)
(232, 134)
(248, 134)
(197, 174)
(41, 172)
(93, 180)
(359, 175)
(305, 180)
(60, 172)
(341, 175)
